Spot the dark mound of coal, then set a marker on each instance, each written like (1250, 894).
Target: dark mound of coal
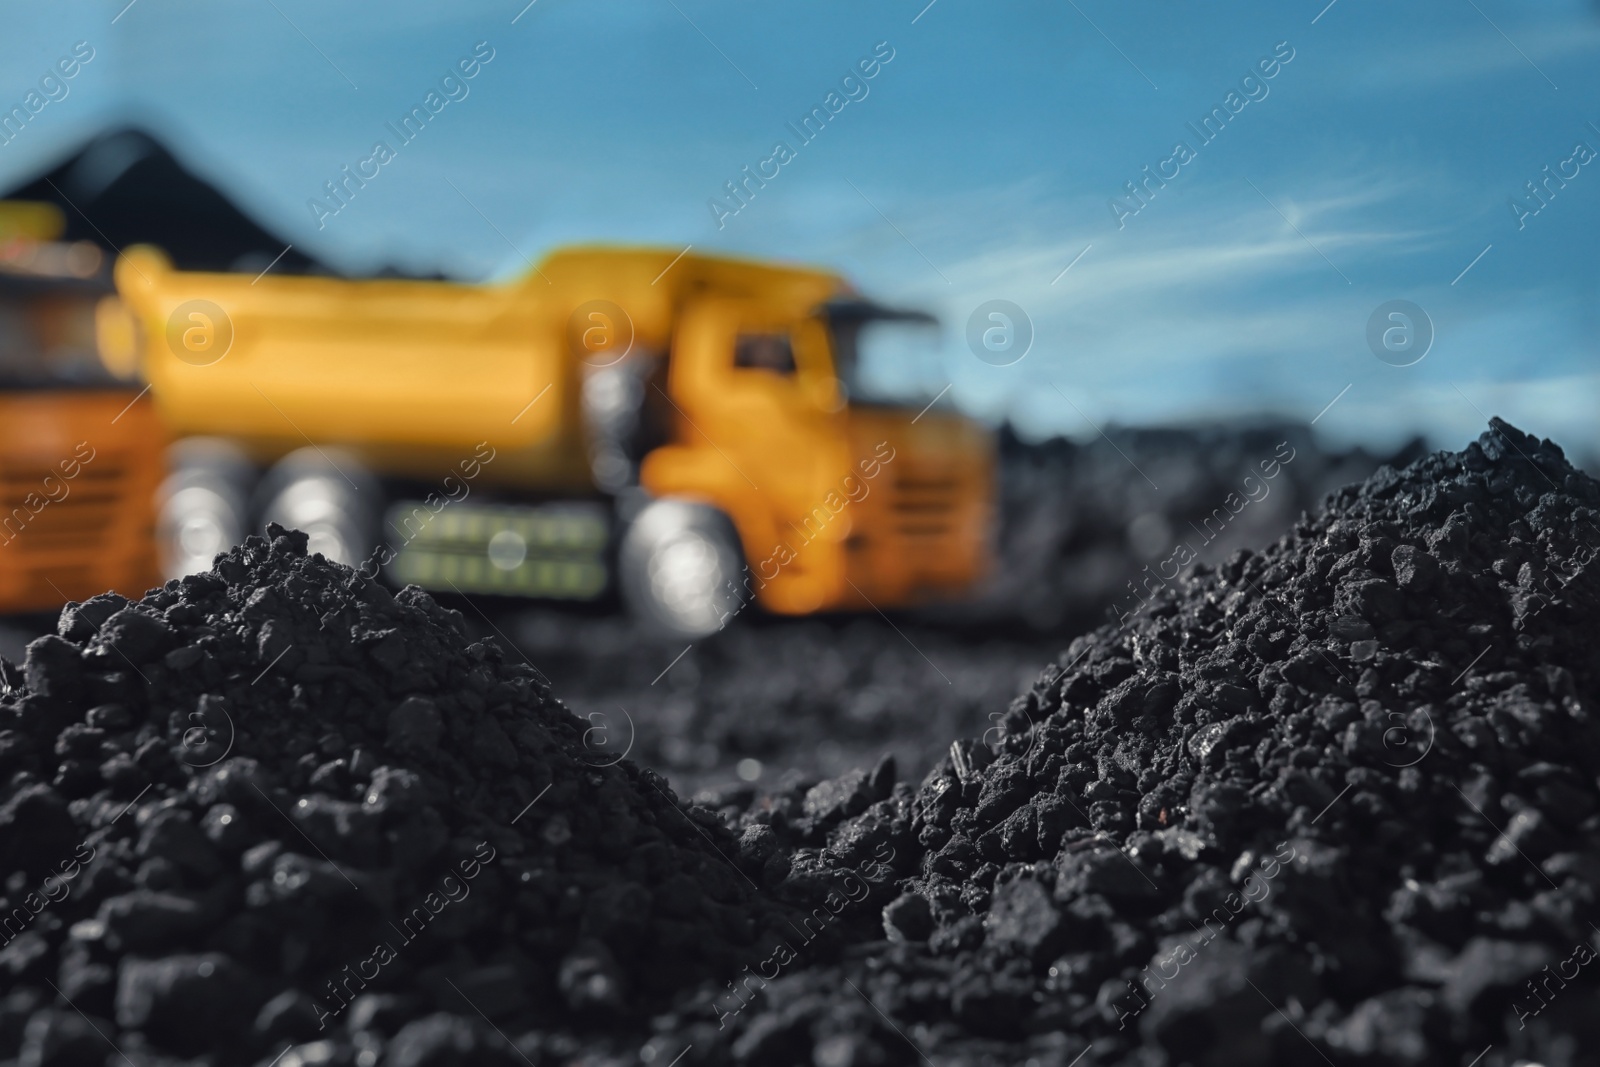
(277, 805)
(1078, 519)
(1335, 802)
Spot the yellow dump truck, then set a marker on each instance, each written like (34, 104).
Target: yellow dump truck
(81, 453)
(691, 432)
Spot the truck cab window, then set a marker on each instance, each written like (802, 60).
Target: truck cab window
(764, 351)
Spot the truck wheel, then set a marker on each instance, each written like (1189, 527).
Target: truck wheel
(203, 505)
(330, 497)
(679, 567)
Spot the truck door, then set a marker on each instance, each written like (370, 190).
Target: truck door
(759, 403)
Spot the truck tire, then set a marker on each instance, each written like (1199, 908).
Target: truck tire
(330, 497)
(678, 569)
(203, 506)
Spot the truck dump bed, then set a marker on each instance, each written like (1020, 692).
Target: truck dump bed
(394, 370)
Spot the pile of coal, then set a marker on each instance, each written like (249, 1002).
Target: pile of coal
(279, 807)
(1079, 519)
(1333, 802)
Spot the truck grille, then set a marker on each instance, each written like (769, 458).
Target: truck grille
(76, 515)
(923, 505)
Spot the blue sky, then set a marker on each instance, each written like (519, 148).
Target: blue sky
(982, 160)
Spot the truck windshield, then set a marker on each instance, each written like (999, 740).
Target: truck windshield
(883, 357)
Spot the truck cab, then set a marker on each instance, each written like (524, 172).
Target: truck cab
(844, 498)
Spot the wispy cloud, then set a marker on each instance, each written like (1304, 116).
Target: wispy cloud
(1219, 236)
